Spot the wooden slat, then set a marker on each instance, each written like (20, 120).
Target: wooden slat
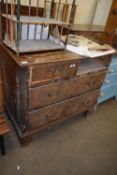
(59, 5)
(11, 23)
(53, 15)
(65, 12)
(24, 10)
(7, 24)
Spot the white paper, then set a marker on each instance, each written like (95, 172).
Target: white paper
(83, 46)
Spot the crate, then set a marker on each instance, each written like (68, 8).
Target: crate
(32, 32)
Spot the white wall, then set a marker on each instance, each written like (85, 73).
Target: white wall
(85, 11)
(102, 11)
(93, 11)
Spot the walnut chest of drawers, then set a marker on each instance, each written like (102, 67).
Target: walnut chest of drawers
(42, 89)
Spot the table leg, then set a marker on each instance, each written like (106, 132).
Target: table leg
(2, 145)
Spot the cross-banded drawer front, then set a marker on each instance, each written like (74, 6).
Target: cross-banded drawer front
(44, 73)
(62, 110)
(55, 92)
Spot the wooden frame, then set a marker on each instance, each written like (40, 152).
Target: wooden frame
(46, 28)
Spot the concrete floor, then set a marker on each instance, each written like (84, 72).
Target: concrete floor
(79, 146)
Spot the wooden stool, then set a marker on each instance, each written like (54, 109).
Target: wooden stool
(4, 128)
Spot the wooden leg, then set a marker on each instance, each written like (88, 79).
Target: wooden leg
(2, 145)
(89, 111)
(25, 140)
(86, 113)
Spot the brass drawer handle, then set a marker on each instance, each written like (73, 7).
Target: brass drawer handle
(51, 94)
(60, 69)
(52, 70)
(50, 117)
(89, 84)
(55, 70)
(85, 103)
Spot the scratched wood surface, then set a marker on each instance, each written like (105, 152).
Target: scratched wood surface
(42, 89)
(58, 91)
(62, 110)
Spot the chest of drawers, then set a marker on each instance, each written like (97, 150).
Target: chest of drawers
(46, 88)
(109, 87)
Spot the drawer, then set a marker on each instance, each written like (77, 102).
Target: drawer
(110, 79)
(107, 93)
(61, 110)
(44, 73)
(48, 94)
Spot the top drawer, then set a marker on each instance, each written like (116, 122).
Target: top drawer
(48, 72)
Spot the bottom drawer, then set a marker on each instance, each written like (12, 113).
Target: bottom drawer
(61, 110)
(107, 93)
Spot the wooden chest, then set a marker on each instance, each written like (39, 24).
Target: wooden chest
(47, 88)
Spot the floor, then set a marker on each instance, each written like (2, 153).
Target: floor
(79, 146)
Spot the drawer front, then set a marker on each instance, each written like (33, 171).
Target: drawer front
(55, 92)
(62, 110)
(110, 79)
(107, 93)
(44, 73)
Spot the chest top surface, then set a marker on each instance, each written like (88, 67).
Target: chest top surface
(40, 58)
